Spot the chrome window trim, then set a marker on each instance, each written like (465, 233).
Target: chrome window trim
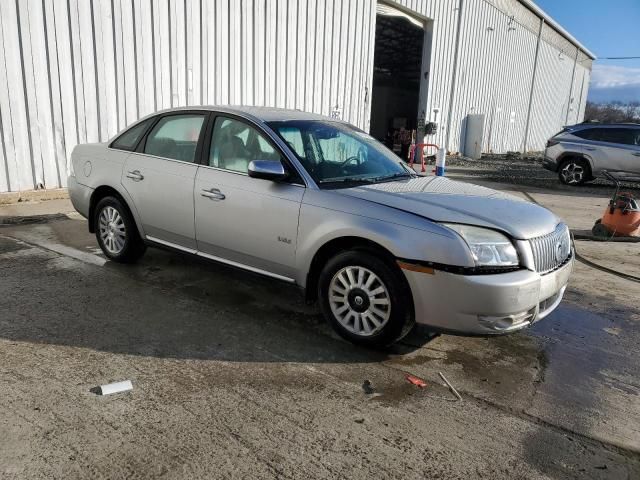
(235, 172)
(224, 170)
(201, 165)
(220, 259)
(195, 164)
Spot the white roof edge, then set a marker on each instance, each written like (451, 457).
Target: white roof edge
(547, 18)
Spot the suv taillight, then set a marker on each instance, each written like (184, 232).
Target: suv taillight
(551, 142)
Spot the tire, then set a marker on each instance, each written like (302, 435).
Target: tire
(599, 230)
(574, 171)
(116, 231)
(353, 288)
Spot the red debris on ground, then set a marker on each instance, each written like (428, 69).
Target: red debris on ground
(418, 382)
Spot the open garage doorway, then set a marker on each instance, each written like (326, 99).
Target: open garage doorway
(398, 77)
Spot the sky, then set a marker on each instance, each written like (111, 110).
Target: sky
(609, 28)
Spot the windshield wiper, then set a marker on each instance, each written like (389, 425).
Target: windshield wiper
(367, 180)
(393, 177)
(346, 180)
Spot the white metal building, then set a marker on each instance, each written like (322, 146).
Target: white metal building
(74, 71)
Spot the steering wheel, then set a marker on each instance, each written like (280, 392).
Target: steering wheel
(349, 160)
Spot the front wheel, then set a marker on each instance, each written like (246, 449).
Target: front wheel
(365, 299)
(116, 231)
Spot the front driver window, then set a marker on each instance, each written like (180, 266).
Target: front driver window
(234, 144)
(175, 137)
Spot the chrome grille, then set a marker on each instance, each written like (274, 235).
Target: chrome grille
(552, 250)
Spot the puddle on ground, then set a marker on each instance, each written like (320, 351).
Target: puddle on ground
(568, 355)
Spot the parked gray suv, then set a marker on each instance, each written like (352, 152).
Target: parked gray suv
(581, 152)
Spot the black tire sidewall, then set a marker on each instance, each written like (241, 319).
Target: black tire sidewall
(133, 245)
(402, 315)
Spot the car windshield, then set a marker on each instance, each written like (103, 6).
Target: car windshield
(338, 155)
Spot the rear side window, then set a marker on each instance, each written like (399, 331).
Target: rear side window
(623, 136)
(129, 139)
(588, 133)
(175, 137)
(620, 136)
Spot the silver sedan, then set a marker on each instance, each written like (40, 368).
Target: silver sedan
(320, 204)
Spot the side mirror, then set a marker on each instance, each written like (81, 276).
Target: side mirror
(267, 170)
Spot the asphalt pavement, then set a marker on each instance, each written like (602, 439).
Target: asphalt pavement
(235, 377)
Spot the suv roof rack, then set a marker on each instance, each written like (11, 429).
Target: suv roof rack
(603, 124)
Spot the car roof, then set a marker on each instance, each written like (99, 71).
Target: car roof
(265, 114)
(581, 126)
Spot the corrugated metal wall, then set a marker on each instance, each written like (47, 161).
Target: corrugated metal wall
(495, 72)
(74, 71)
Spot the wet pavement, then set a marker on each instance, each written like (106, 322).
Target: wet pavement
(235, 376)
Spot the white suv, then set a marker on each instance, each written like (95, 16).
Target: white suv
(581, 152)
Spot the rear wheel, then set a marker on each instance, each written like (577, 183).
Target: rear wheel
(365, 299)
(116, 231)
(574, 171)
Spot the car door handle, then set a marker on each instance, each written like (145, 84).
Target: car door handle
(590, 148)
(136, 176)
(214, 194)
(637, 154)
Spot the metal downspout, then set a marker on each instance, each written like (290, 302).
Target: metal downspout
(573, 76)
(453, 78)
(533, 85)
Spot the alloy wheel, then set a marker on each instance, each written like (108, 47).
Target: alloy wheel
(572, 173)
(112, 230)
(359, 300)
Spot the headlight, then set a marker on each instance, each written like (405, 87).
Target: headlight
(488, 247)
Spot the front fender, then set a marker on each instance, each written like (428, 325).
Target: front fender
(319, 225)
(582, 154)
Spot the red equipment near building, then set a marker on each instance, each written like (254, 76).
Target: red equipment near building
(621, 217)
(420, 148)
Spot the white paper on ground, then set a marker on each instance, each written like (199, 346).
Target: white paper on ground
(116, 387)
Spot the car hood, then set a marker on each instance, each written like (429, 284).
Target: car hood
(443, 200)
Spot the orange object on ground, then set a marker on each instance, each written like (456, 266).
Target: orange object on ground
(622, 216)
(418, 382)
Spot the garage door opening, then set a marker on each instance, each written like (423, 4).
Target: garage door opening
(397, 74)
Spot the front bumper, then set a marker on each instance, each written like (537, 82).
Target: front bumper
(486, 304)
